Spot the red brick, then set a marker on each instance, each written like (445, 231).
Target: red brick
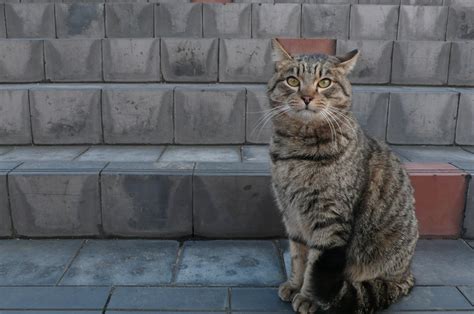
(297, 46)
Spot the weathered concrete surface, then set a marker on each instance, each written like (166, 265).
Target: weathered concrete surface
(15, 127)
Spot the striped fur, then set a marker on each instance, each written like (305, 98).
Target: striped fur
(346, 200)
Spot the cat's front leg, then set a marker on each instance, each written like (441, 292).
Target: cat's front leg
(305, 301)
(299, 255)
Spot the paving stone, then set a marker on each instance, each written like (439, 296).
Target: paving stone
(462, 3)
(253, 1)
(21, 60)
(285, 250)
(461, 67)
(234, 200)
(34, 262)
(138, 116)
(131, 60)
(258, 129)
(370, 110)
(325, 21)
(148, 199)
(460, 23)
(276, 20)
(331, 1)
(80, 20)
(255, 153)
(374, 64)
(175, 19)
(129, 19)
(210, 115)
(374, 22)
(258, 299)
(32, 20)
(394, 2)
(420, 62)
(123, 262)
(422, 118)
(15, 125)
(73, 60)
(230, 263)
(5, 217)
(422, 22)
(50, 298)
(468, 292)
(433, 298)
(468, 224)
(122, 153)
(160, 312)
(229, 20)
(66, 116)
(60, 205)
(201, 154)
(169, 298)
(38, 153)
(189, 60)
(434, 153)
(443, 262)
(245, 60)
(422, 2)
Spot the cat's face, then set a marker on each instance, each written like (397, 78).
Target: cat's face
(309, 88)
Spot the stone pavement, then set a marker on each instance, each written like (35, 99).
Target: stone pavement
(216, 276)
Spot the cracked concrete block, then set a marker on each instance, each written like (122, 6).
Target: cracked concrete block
(178, 20)
(374, 22)
(276, 20)
(370, 110)
(232, 20)
(325, 21)
(21, 60)
(422, 22)
(461, 66)
(138, 115)
(258, 129)
(15, 125)
(131, 60)
(66, 115)
(32, 20)
(460, 23)
(465, 125)
(73, 60)
(76, 19)
(129, 20)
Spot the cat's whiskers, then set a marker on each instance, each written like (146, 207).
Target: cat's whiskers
(267, 117)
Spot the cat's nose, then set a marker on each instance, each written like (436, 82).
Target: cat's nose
(307, 99)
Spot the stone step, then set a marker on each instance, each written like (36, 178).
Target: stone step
(213, 192)
(72, 114)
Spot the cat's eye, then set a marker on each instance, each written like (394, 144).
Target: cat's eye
(324, 83)
(293, 81)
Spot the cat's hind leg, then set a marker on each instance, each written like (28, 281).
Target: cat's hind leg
(299, 255)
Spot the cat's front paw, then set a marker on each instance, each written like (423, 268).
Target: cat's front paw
(287, 291)
(303, 304)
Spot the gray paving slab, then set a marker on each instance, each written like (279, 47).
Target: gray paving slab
(469, 148)
(178, 19)
(443, 262)
(50, 298)
(471, 244)
(42, 153)
(184, 299)
(422, 22)
(123, 262)
(370, 110)
(258, 299)
(460, 23)
(35, 262)
(201, 154)
(80, 20)
(5, 213)
(21, 60)
(34, 20)
(468, 292)
(374, 22)
(276, 20)
(230, 263)
(231, 20)
(15, 117)
(160, 312)
(48, 312)
(129, 19)
(255, 153)
(122, 153)
(465, 127)
(461, 64)
(285, 247)
(325, 21)
(434, 153)
(258, 129)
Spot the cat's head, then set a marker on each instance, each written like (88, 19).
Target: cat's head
(305, 89)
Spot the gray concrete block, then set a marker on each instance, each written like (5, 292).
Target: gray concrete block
(122, 262)
(56, 199)
(73, 60)
(209, 115)
(461, 3)
(394, 2)
(370, 109)
(465, 125)
(129, 19)
(422, 22)
(189, 60)
(258, 299)
(148, 200)
(468, 292)
(460, 23)
(420, 62)
(374, 22)
(15, 127)
(375, 61)
(253, 263)
(201, 154)
(234, 200)
(122, 153)
(66, 116)
(38, 262)
(258, 125)
(32, 20)
(331, 1)
(426, 154)
(468, 224)
(253, 1)
(42, 153)
(131, 60)
(21, 61)
(255, 153)
(229, 20)
(461, 66)
(5, 217)
(80, 20)
(245, 60)
(325, 21)
(422, 118)
(422, 2)
(3, 30)
(138, 116)
(276, 20)
(178, 19)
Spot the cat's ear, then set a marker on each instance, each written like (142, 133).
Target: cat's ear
(348, 61)
(279, 54)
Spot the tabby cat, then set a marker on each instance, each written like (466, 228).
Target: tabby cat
(346, 200)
